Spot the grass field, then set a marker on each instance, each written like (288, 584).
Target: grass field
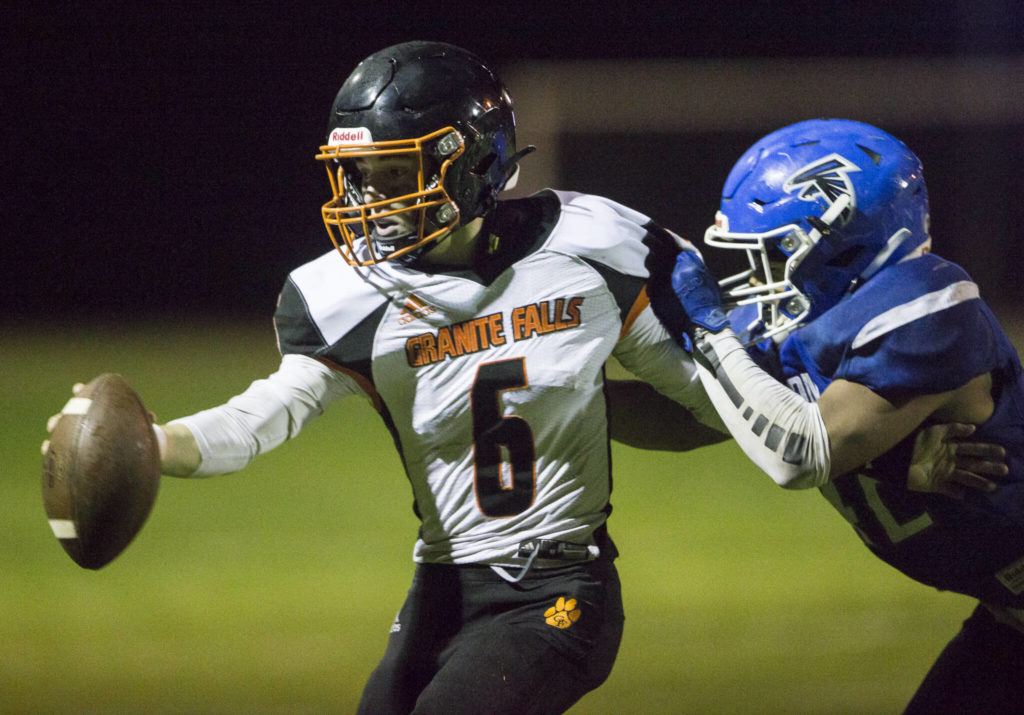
(272, 590)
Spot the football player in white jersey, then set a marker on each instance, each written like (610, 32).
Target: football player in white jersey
(479, 329)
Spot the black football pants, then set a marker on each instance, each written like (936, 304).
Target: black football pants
(980, 671)
(467, 641)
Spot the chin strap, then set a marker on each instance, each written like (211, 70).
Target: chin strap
(507, 177)
(510, 170)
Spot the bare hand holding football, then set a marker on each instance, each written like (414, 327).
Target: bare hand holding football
(101, 470)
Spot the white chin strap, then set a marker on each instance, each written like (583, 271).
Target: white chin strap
(895, 241)
(512, 180)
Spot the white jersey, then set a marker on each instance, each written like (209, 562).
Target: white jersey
(491, 382)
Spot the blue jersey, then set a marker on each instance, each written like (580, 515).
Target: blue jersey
(919, 327)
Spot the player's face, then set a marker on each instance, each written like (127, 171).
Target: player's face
(778, 269)
(385, 177)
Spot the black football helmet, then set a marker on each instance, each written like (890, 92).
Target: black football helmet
(444, 108)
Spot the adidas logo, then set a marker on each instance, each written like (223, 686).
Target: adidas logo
(415, 308)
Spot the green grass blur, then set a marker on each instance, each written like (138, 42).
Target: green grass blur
(272, 590)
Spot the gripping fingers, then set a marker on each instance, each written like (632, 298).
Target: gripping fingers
(984, 450)
(981, 449)
(956, 430)
(944, 464)
(971, 480)
(51, 423)
(975, 458)
(980, 458)
(698, 292)
(989, 467)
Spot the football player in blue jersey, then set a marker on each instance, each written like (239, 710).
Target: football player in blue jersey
(850, 336)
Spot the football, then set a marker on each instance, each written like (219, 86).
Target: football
(101, 471)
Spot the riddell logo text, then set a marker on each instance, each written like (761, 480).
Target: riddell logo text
(359, 135)
(526, 322)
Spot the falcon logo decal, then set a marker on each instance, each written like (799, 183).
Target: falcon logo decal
(827, 178)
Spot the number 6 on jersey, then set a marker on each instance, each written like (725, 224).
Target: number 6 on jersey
(491, 431)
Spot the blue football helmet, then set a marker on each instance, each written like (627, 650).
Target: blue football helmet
(819, 206)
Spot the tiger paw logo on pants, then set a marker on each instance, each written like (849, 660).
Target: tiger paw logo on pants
(563, 614)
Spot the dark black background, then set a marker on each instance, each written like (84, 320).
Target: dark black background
(159, 158)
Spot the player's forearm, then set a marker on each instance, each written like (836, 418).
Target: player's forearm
(179, 452)
(227, 437)
(641, 417)
(779, 431)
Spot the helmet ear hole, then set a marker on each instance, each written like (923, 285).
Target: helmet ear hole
(431, 170)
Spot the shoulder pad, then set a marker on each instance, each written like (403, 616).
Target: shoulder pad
(320, 303)
(600, 230)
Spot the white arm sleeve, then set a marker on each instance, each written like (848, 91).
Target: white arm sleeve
(781, 432)
(650, 353)
(266, 414)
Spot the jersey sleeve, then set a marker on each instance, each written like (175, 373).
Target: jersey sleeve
(296, 332)
(266, 414)
(326, 312)
(648, 351)
(624, 246)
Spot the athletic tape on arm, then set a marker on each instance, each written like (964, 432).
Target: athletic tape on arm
(779, 431)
